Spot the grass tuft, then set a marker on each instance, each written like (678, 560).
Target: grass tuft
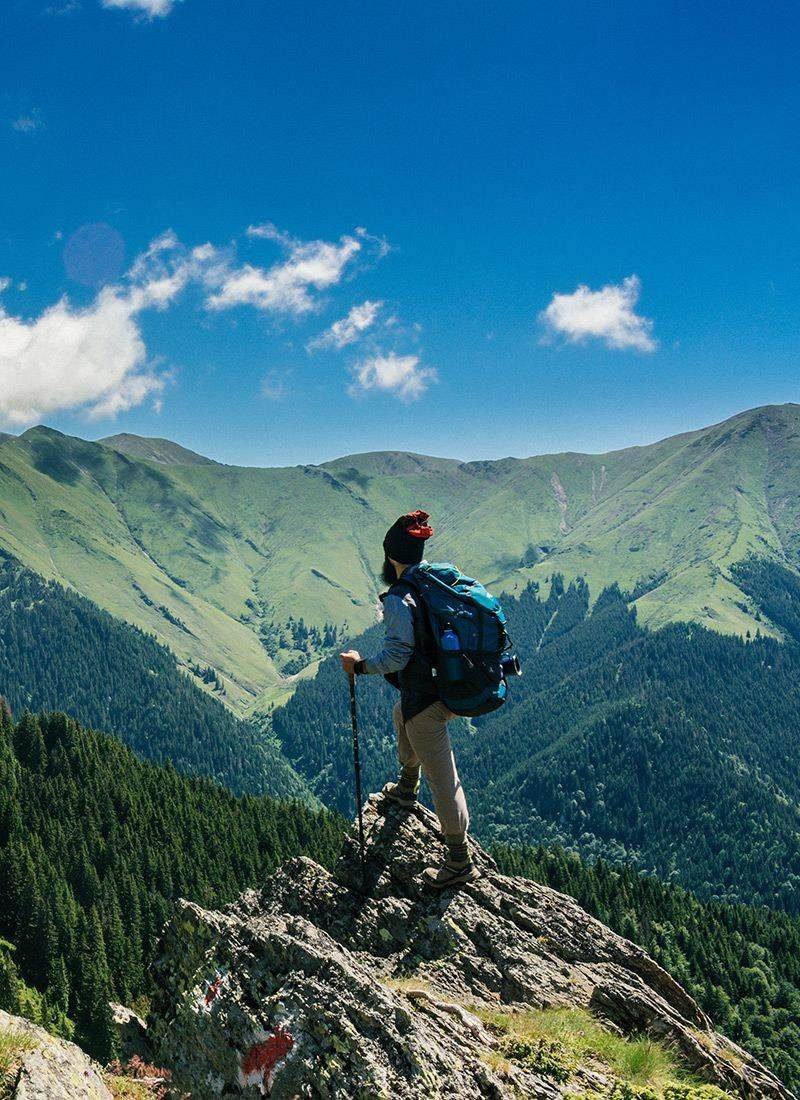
(555, 1042)
(13, 1045)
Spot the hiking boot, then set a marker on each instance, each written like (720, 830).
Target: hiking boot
(402, 794)
(449, 875)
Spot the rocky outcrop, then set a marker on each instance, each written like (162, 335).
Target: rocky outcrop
(363, 983)
(131, 1032)
(49, 1068)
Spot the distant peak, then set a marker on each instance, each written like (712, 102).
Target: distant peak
(42, 430)
(153, 449)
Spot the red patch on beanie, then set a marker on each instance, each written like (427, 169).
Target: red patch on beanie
(416, 524)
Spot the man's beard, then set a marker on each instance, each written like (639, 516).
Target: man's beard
(388, 573)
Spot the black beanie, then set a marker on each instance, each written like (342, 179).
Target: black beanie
(405, 539)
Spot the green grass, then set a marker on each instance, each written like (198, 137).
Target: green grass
(558, 1041)
(13, 1046)
(226, 549)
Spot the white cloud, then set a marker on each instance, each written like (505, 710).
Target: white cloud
(607, 314)
(400, 375)
(92, 358)
(287, 286)
(269, 232)
(5, 283)
(150, 9)
(29, 123)
(348, 329)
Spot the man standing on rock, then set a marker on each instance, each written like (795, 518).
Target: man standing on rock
(420, 717)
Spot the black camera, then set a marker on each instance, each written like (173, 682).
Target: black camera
(511, 666)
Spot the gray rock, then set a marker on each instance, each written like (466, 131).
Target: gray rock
(131, 1032)
(294, 989)
(53, 1069)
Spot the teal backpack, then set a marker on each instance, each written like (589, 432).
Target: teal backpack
(467, 626)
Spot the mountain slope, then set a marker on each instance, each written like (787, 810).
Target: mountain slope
(232, 567)
(58, 650)
(153, 449)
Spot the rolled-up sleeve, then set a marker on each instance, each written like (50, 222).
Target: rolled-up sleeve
(398, 646)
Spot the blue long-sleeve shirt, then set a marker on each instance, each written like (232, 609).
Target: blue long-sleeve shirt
(398, 646)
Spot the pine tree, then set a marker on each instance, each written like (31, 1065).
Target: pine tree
(94, 1017)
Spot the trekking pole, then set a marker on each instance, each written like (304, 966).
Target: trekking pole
(357, 768)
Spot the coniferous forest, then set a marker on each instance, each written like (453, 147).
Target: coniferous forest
(59, 651)
(95, 846)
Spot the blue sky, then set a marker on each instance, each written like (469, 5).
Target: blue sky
(538, 229)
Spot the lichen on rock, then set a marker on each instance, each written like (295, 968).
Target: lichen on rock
(51, 1068)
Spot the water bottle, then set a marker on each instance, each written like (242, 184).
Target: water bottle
(452, 663)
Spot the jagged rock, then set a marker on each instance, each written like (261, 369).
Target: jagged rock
(52, 1069)
(131, 1032)
(289, 991)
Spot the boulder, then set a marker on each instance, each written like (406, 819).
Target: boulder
(131, 1032)
(50, 1068)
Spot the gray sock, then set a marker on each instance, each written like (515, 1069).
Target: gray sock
(457, 850)
(409, 781)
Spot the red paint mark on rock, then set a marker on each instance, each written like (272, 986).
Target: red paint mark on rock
(261, 1059)
(213, 990)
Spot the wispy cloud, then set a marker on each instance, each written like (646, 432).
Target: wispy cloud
(94, 358)
(149, 9)
(289, 285)
(269, 232)
(607, 314)
(63, 7)
(29, 122)
(348, 329)
(402, 376)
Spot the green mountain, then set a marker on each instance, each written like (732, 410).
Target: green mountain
(677, 750)
(256, 571)
(154, 449)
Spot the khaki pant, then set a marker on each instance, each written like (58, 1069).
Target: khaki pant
(423, 740)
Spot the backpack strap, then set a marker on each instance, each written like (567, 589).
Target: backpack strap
(407, 586)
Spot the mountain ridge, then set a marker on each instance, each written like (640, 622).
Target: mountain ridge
(155, 449)
(248, 570)
(125, 437)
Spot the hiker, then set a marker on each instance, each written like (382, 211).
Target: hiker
(420, 717)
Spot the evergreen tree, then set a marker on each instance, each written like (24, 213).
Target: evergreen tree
(93, 991)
